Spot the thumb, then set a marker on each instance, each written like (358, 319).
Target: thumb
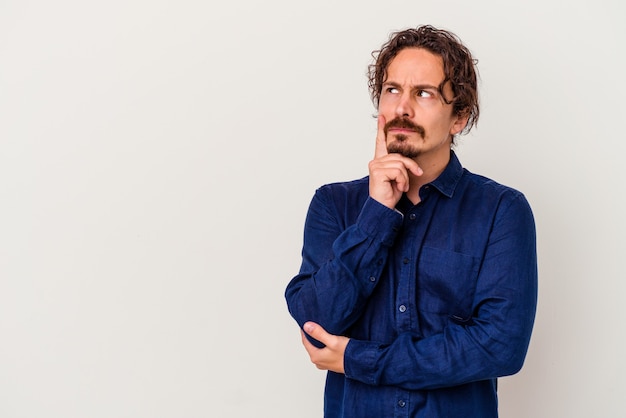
(316, 331)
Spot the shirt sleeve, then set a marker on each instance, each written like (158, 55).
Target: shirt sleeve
(492, 343)
(341, 266)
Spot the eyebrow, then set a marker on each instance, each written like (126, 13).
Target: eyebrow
(415, 87)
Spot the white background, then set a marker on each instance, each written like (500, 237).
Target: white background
(157, 159)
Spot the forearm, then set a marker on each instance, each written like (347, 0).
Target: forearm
(491, 342)
(340, 268)
(459, 355)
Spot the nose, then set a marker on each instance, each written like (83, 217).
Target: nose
(404, 108)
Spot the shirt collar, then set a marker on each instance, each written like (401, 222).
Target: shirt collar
(449, 178)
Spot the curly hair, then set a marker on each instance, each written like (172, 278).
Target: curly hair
(458, 67)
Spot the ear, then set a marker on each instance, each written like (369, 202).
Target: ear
(459, 123)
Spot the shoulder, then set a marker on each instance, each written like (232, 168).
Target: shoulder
(345, 190)
(489, 194)
(476, 183)
(342, 198)
(352, 186)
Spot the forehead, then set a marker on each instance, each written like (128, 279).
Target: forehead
(415, 66)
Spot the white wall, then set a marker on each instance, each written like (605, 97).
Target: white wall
(157, 159)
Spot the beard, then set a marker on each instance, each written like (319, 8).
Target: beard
(400, 144)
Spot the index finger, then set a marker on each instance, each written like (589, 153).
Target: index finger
(381, 139)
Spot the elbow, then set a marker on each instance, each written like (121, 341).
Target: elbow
(512, 367)
(511, 361)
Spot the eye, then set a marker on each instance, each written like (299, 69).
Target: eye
(392, 90)
(425, 94)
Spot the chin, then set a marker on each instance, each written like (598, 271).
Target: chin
(403, 149)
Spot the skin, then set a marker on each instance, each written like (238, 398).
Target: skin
(409, 92)
(329, 357)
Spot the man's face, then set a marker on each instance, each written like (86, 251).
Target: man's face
(418, 121)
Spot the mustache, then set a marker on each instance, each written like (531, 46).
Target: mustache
(404, 123)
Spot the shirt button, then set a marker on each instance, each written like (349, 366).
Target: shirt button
(401, 403)
(372, 279)
(412, 216)
(402, 308)
(405, 261)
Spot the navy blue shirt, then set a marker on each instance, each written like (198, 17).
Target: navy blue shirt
(438, 299)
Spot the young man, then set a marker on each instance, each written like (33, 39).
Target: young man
(418, 283)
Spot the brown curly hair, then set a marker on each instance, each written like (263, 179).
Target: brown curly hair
(458, 67)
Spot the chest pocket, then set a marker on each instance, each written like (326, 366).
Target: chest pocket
(446, 282)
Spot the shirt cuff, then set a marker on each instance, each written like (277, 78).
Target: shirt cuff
(379, 221)
(360, 359)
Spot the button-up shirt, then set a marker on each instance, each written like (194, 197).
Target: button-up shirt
(438, 299)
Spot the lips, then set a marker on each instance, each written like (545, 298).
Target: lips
(401, 130)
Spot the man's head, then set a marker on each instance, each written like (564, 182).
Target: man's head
(457, 87)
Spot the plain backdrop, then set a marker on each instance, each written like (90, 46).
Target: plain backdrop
(157, 159)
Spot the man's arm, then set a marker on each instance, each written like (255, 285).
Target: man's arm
(492, 344)
(340, 267)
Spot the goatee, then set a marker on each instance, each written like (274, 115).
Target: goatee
(400, 145)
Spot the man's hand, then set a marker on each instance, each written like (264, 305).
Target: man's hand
(329, 357)
(389, 173)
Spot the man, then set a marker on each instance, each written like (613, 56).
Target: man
(418, 283)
